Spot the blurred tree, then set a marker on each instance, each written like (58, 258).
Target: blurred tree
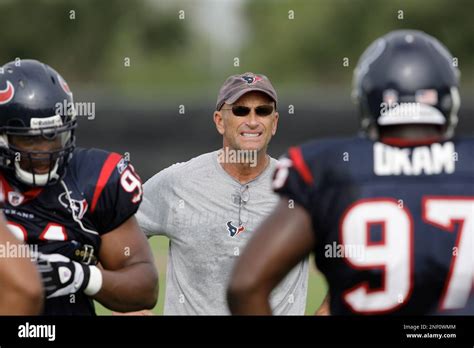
(312, 46)
(90, 41)
(87, 39)
(70, 35)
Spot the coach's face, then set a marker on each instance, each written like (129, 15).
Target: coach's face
(252, 131)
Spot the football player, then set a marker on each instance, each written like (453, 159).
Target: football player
(77, 205)
(389, 216)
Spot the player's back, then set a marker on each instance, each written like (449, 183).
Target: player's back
(394, 223)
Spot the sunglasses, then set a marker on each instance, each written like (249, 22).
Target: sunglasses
(262, 110)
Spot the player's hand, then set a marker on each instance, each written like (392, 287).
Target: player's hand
(62, 276)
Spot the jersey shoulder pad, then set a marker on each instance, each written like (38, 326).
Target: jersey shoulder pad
(304, 168)
(110, 184)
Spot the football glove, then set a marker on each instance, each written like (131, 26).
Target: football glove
(63, 276)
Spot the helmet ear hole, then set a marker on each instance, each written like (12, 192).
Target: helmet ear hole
(53, 80)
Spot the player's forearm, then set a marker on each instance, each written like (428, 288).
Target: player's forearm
(248, 302)
(131, 288)
(21, 289)
(15, 301)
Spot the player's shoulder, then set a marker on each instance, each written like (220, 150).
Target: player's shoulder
(90, 167)
(319, 148)
(311, 161)
(463, 141)
(93, 157)
(464, 150)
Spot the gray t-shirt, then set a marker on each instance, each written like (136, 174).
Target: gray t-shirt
(197, 205)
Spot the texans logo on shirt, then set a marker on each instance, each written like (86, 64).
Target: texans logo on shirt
(79, 206)
(233, 230)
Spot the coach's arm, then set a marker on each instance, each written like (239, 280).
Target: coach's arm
(129, 275)
(284, 239)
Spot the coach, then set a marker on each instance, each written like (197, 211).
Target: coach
(210, 206)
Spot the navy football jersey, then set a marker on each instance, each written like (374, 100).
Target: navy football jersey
(99, 192)
(394, 224)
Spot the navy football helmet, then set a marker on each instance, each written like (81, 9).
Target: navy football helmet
(406, 77)
(35, 104)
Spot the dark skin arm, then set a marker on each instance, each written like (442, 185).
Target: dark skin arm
(20, 283)
(282, 240)
(130, 278)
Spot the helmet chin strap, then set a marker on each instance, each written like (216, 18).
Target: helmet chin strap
(38, 179)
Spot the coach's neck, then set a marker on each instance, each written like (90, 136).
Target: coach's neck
(248, 170)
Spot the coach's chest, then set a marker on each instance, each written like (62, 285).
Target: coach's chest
(221, 218)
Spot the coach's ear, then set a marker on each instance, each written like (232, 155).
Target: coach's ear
(275, 123)
(219, 121)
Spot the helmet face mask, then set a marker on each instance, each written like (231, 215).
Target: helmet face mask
(34, 145)
(406, 77)
(23, 151)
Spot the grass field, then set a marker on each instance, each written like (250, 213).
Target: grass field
(316, 285)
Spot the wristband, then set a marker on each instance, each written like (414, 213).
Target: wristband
(95, 281)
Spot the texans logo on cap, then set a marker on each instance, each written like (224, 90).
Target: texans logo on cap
(251, 79)
(7, 94)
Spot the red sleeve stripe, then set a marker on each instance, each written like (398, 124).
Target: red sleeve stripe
(105, 173)
(300, 165)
